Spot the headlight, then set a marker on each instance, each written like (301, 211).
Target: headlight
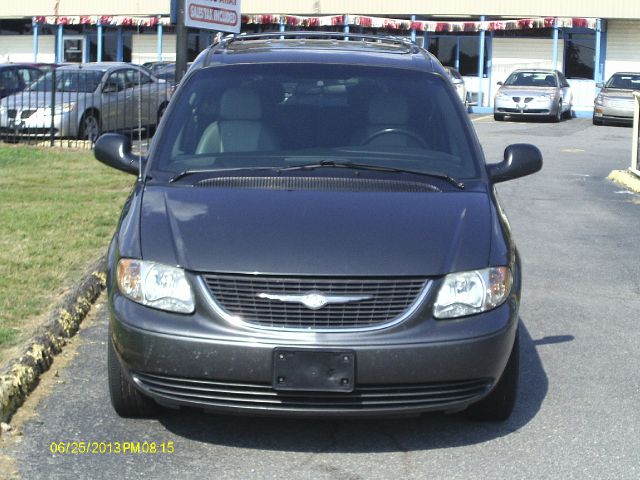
(467, 293)
(599, 100)
(64, 108)
(501, 95)
(546, 96)
(155, 285)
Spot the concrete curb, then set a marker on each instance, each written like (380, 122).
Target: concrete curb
(626, 178)
(21, 375)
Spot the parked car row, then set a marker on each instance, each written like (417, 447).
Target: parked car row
(83, 100)
(546, 93)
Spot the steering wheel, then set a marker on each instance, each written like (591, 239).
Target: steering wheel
(395, 131)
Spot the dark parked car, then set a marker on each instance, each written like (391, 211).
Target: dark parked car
(314, 232)
(15, 77)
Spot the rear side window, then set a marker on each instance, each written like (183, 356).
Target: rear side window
(279, 114)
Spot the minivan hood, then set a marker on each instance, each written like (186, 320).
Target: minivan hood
(316, 233)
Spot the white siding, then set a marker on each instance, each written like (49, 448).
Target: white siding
(145, 48)
(623, 47)
(510, 54)
(19, 48)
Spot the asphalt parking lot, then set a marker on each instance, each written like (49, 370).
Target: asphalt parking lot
(577, 414)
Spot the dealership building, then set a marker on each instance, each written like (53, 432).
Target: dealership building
(588, 40)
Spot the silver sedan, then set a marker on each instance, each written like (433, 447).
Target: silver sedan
(615, 101)
(534, 93)
(82, 101)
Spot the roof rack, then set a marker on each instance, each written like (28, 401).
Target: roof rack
(304, 35)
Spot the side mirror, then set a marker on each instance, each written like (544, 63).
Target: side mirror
(500, 83)
(114, 150)
(599, 85)
(520, 159)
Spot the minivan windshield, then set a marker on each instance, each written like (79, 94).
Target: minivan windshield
(286, 115)
(531, 79)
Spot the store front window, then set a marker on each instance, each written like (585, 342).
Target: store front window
(579, 55)
(460, 52)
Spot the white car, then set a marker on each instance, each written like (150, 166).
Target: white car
(534, 93)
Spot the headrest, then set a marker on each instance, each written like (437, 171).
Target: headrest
(238, 103)
(388, 109)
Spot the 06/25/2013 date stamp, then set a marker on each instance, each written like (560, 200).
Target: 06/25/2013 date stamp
(111, 448)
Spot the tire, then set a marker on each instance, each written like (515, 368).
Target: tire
(568, 114)
(498, 405)
(498, 117)
(90, 127)
(127, 401)
(557, 117)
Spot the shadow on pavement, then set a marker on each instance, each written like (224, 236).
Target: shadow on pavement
(369, 435)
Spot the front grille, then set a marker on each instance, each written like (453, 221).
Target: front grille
(620, 103)
(263, 396)
(516, 99)
(237, 295)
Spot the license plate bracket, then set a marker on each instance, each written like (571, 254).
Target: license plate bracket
(314, 370)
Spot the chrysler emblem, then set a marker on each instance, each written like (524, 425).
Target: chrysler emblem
(314, 300)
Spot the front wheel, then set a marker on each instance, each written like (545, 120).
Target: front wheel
(89, 128)
(558, 115)
(498, 117)
(498, 405)
(127, 401)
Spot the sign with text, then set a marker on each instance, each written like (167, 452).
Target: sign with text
(219, 15)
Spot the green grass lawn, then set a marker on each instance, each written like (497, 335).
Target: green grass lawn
(58, 210)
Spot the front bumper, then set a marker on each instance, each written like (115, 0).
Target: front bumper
(535, 107)
(621, 114)
(38, 125)
(418, 365)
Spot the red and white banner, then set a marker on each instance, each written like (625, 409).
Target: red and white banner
(222, 15)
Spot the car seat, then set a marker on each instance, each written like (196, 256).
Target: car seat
(239, 127)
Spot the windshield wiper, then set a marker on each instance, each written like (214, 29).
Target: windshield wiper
(321, 164)
(186, 173)
(374, 168)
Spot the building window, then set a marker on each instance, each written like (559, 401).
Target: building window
(579, 55)
(460, 52)
(445, 50)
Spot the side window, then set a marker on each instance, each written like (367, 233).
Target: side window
(9, 80)
(133, 78)
(116, 82)
(139, 76)
(563, 80)
(28, 75)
